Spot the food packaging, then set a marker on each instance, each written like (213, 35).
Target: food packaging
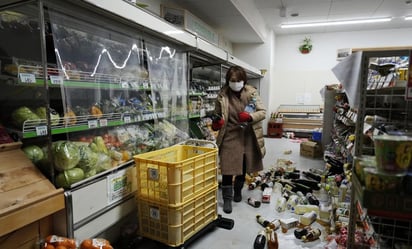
(376, 180)
(393, 153)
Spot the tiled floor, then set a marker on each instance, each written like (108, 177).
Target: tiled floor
(246, 228)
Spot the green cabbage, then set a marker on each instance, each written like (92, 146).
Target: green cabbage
(34, 153)
(65, 155)
(21, 114)
(68, 177)
(88, 158)
(54, 116)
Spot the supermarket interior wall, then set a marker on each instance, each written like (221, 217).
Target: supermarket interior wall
(260, 56)
(298, 78)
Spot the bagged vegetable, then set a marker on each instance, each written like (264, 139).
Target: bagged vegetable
(68, 177)
(54, 241)
(88, 158)
(22, 114)
(95, 243)
(54, 116)
(34, 153)
(65, 155)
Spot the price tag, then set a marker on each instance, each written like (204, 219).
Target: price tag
(145, 84)
(119, 185)
(56, 79)
(127, 119)
(124, 84)
(41, 130)
(92, 124)
(103, 122)
(27, 78)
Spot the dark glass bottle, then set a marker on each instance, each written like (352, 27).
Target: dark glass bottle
(312, 199)
(260, 240)
(299, 232)
(310, 183)
(312, 176)
(312, 235)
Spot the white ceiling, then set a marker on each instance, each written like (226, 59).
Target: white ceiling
(245, 21)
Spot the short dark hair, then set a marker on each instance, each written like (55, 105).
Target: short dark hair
(238, 71)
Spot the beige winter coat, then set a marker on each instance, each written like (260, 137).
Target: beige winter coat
(256, 141)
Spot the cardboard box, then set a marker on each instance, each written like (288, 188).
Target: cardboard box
(310, 149)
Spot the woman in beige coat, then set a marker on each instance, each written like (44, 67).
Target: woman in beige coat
(240, 112)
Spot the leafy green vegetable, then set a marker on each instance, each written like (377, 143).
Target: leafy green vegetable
(98, 145)
(21, 114)
(88, 158)
(65, 155)
(68, 177)
(54, 116)
(34, 153)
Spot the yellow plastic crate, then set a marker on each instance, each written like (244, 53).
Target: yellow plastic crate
(173, 226)
(176, 174)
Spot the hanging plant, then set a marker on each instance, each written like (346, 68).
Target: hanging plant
(306, 46)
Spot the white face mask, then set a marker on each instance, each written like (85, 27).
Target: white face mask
(236, 86)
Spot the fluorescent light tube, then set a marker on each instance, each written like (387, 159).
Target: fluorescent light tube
(330, 23)
(408, 18)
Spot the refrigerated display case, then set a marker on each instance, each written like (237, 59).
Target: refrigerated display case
(89, 92)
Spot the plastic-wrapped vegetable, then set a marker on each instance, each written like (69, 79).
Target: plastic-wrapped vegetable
(34, 153)
(54, 116)
(65, 155)
(98, 145)
(21, 114)
(68, 177)
(88, 158)
(104, 162)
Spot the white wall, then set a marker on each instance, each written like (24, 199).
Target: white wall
(260, 56)
(296, 74)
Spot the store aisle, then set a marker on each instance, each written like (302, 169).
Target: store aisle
(246, 228)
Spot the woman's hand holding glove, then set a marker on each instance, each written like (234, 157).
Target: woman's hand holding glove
(218, 124)
(244, 117)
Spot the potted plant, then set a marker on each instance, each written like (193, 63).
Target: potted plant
(306, 46)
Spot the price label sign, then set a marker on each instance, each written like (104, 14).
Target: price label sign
(56, 79)
(41, 130)
(103, 122)
(145, 84)
(124, 84)
(92, 124)
(27, 78)
(119, 185)
(127, 119)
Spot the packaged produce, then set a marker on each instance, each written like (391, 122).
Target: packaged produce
(95, 243)
(34, 153)
(59, 242)
(70, 117)
(393, 153)
(88, 158)
(68, 177)
(380, 181)
(42, 113)
(22, 114)
(65, 155)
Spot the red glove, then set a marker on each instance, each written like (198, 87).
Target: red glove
(244, 117)
(218, 124)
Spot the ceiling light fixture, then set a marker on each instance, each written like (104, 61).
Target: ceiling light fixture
(408, 18)
(331, 23)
